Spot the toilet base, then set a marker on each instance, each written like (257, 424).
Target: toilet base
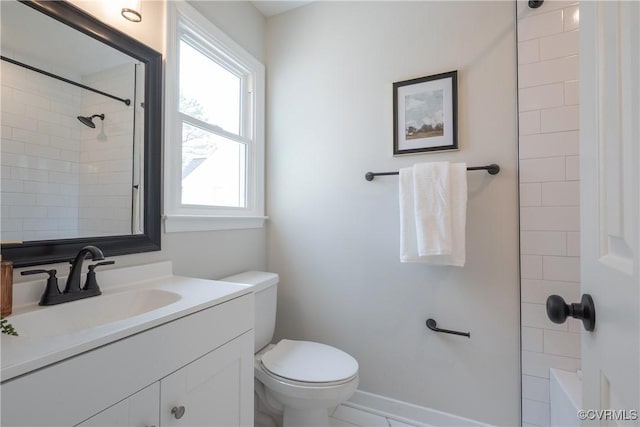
(305, 417)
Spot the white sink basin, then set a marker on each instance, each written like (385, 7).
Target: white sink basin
(91, 312)
(134, 299)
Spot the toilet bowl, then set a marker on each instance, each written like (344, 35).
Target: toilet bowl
(307, 379)
(296, 381)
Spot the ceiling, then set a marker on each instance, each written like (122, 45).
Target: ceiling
(270, 8)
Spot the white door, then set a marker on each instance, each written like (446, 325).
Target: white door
(610, 195)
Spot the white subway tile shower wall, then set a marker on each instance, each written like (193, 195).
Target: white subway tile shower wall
(549, 194)
(106, 155)
(40, 155)
(59, 180)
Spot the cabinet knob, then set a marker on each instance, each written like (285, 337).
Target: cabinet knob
(178, 411)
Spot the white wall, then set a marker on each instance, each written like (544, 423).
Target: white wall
(207, 254)
(549, 194)
(149, 31)
(240, 20)
(334, 237)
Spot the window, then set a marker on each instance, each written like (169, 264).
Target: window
(214, 157)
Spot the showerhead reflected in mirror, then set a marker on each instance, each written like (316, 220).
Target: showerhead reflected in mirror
(88, 121)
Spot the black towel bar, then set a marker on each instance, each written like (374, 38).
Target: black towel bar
(431, 324)
(492, 169)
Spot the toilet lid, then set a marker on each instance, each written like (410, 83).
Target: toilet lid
(309, 362)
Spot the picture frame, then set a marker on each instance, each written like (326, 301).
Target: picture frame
(425, 114)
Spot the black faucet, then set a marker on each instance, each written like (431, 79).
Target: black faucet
(72, 291)
(73, 281)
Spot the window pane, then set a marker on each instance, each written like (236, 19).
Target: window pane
(208, 91)
(213, 169)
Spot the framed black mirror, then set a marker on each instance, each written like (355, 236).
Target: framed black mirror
(96, 177)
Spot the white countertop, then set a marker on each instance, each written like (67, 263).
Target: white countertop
(23, 354)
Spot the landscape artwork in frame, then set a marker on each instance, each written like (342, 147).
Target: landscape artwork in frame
(425, 114)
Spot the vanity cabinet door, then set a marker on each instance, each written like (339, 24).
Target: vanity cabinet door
(139, 410)
(214, 390)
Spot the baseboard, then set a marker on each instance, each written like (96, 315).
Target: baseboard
(407, 412)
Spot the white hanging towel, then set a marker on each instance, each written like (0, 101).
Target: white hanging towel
(433, 213)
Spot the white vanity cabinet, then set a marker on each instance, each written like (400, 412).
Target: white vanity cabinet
(142, 409)
(202, 362)
(203, 393)
(206, 391)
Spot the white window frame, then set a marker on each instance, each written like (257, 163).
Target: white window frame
(184, 19)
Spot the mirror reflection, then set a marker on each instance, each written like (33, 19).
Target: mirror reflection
(72, 132)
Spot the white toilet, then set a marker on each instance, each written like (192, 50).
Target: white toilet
(300, 380)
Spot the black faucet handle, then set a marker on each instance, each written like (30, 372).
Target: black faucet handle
(51, 291)
(91, 284)
(93, 266)
(39, 271)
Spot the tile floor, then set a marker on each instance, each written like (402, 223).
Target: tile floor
(348, 416)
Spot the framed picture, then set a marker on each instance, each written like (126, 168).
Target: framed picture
(425, 114)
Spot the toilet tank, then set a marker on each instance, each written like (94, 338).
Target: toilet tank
(265, 289)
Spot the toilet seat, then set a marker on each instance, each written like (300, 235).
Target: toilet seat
(304, 362)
